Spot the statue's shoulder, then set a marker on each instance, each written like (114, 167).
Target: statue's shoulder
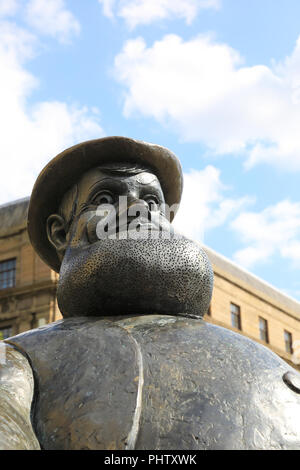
(202, 340)
(206, 341)
(184, 341)
(61, 328)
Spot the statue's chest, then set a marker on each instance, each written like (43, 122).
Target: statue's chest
(86, 389)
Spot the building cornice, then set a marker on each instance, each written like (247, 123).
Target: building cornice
(29, 289)
(252, 284)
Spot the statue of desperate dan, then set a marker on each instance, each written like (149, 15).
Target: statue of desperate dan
(132, 365)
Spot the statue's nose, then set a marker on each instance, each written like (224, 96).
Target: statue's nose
(137, 207)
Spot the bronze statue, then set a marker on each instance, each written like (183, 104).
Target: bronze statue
(133, 365)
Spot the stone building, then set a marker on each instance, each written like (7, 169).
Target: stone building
(27, 285)
(250, 306)
(241, 301)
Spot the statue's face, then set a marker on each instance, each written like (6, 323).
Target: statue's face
(107, 272)
(115, 206)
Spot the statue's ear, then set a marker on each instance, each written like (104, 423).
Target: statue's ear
(57, 234)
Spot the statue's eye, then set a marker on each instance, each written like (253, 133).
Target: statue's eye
(104, 197)
(152, 202)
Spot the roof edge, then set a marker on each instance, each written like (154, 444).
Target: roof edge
(259, 280)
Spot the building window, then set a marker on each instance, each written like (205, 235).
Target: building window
(263, 330)
(8, 273)
(235, 312)
(288, 339)
(5, 332)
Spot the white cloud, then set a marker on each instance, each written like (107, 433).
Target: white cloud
(8, 7)
(204, 203)
(273, 231)
(108, 7)
(136, 12)
(51, 17)
(202, 89)
(31, 135)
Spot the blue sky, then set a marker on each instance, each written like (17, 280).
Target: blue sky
(216, 81)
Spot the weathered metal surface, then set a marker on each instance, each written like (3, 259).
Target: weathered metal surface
(123, 277)
(86, 384)
(158, 382)
(16, 394)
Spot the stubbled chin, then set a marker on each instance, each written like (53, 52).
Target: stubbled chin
(121, 277)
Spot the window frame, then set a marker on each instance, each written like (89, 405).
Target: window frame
(8, 276)
(235, 314)
(263, 332)
(288, 343)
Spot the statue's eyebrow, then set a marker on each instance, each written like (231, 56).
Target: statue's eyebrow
(115, 181)
(114, 185)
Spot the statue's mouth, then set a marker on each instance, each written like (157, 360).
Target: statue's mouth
(138, 225)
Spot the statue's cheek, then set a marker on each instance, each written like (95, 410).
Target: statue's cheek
(102, 225)
(79, 230)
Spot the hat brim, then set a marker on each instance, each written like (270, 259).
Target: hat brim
(63, 171)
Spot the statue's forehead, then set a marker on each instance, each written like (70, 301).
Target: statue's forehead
(97, 174)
